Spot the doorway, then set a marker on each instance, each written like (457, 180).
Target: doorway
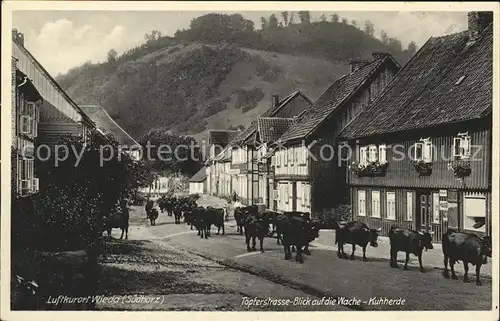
(422, 219)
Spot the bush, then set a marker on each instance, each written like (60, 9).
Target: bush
(248, 99)
(328, 217)
(213, 108)
(66, 215)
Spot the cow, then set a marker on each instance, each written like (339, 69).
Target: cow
(355, 233)
(201, 221)
(118, 219)
(465, 247)
(215, 217)
(153, 215)
(256, 226)
(273, 219)
(149, 206)
(240, 214)
(409, 241)
(296, 231)
(177, 210)
(279, 232)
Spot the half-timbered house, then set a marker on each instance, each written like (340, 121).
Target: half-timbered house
(306, 173)
(217, 165)
(244, 165)
(423, 150)
(59, 114)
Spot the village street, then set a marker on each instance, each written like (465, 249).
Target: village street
(218, 272)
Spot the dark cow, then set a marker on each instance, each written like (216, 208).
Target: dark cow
(118, 219)
(279, 232)
(149, 206)
(296, 231)
(201, 221)
(162, 203)
(468, 248)
(256, 226)
(153, 215)
(177, 210)
(239, 216)
(273, 219)
(409, 241)
(355, 233)
(216, 218)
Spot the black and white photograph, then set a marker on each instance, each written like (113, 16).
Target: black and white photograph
(250, 158)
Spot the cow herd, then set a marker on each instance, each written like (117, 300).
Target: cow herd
(295, 230)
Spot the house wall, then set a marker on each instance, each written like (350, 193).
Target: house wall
(45, 86)
(400, 172)
(196, 187)
(447, 208)
(453, 202)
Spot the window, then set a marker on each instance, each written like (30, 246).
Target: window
(423, 151)
(382, 154)
(372, 153)
(363, 157)
(461, 146)
(287, 193)
(285, 155)
(361, 203)
(308, 195)
(475, 211)
(409, 206)
(391, 205)
(375, 203)
(435, 208)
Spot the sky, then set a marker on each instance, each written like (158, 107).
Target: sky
(61, 40)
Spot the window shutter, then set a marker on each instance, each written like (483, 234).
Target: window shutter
(465, 146)
(427, 152)
(382, 153)
(456, 146)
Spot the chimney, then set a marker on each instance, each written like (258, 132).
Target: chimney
(380, 55)
(356, 64)
(18, 37)
(275, 100)
(478, 21)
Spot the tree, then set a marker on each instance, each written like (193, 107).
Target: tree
(412, 48)
(273, 22)
(284, 14)
(112, 54)
(383, 37)
(335, 18)
(344, 21)
(305, 17)
(291, 20)
(369, 27)
(322, 18)
(263, 23)
(152, 36)
(354, 23)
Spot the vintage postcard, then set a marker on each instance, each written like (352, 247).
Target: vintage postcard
(168, 157)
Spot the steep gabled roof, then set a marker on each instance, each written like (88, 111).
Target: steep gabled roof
(53, 81)
(106, 124)
(199, 177)
(249, 135)
(332, 99)
(446, 81)
(271, 128)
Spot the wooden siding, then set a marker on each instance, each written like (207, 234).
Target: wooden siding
(50, 133)
(400, 172)
(45, 86)
(401, 219)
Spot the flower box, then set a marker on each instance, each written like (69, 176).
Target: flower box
(422, 168)
(460, 168)
(369, 169)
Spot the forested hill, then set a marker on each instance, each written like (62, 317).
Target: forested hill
(221, 72)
